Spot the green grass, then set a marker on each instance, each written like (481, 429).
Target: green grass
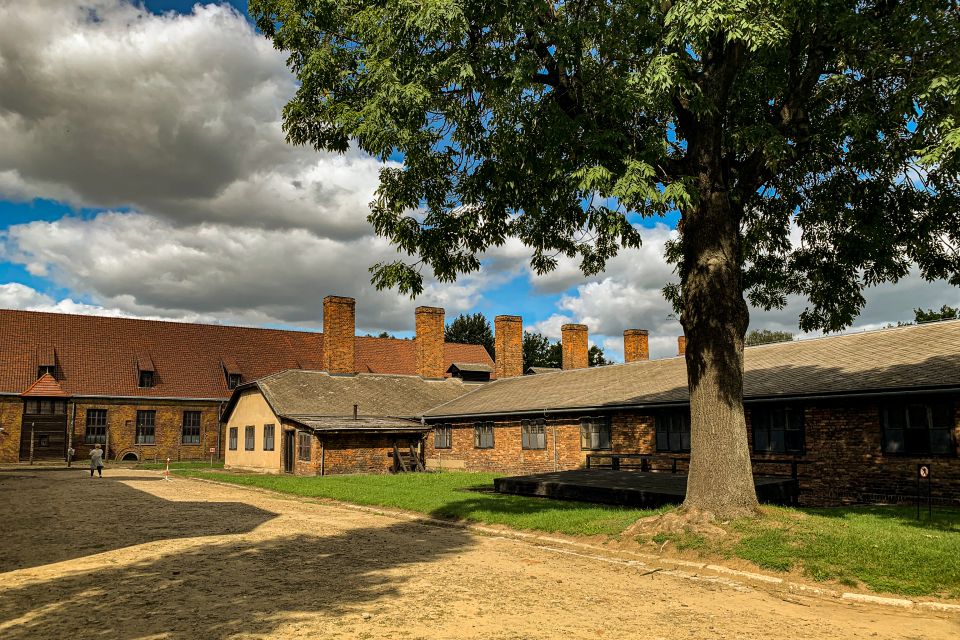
(883, 548)
(449, 495)
(192, 464)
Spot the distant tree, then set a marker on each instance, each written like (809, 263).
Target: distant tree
(538, 351)
(930, 315)
(471, 329)
(382, 334)
(596, 357)
(766, 336)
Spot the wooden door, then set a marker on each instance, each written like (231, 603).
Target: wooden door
(288, 451)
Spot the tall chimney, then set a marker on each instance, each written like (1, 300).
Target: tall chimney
(508, 342)
(339, 328)
(430, 342)
(681, 345)
(636, 345)
(573, 338)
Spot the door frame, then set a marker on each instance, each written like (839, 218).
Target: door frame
(288, 450)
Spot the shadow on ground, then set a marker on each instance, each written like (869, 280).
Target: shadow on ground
(70, 515)
(225, 589)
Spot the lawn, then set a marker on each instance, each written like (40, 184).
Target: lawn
(883, 548)
(449, 495)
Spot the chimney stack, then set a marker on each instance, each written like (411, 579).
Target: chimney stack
(508, 342)
(681, 345)
(636, 345)
(573, 338)
(339, 328)
(430, 342)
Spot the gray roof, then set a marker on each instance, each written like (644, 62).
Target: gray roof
(471, 366)
(298, 394)
(533, 370)
(904, 358)
(362, 423)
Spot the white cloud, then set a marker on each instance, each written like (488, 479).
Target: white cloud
(14, 295)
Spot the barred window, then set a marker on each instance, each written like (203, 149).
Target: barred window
(303, 446)
(249, 434)
(919, 428)
(673, 431)
(268, 430)
(443, 436)
(532, 434)
(146, 427)
(233, 438)
(595, 433)
(191, 428)
(777, 429)
(96, 427)
(483, 435)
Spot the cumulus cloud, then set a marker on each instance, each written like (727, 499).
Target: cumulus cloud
(104, 104)
(14, 295)
(145, 266)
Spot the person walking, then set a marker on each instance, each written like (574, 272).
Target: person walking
(96, 461)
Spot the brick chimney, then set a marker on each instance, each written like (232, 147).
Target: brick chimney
(574, 341)
(508, 342)
(636, 345)
(681, 345)
(430, 342)
(339, 328)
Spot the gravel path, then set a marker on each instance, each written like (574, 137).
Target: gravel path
(133, 556)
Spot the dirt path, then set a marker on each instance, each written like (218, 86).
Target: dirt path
(132, 556)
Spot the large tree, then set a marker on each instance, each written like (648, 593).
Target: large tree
(562, 122)
(471, 329)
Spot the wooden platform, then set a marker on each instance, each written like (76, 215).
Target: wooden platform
(630, 488)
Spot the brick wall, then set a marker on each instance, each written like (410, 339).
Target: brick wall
(843, 441)
(11, 419)
(351, 453)
(636, 345)
(429, 338)
(574, 342)
(339, 327)
(509, 346)
(122, 420)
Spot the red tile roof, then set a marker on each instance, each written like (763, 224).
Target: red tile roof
(46, 386)
(98, 356)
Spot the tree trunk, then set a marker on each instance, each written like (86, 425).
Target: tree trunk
(715, 318)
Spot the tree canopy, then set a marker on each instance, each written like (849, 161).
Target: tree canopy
(471, 329)
(945, 312)
(766, 336)
(539, 351)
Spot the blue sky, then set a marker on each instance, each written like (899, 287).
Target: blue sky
(144, 173)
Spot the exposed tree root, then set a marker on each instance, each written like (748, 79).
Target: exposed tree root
(681, 520)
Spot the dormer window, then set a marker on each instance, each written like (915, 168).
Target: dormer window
(45, 369)
(146, 379)
(233, 381)
(145, 371)
(231, 369)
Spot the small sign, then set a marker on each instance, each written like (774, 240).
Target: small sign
(923, 470)
(213, 449)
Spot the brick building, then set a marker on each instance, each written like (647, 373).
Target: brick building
(857, 413)
(151, 390)
(315, 423)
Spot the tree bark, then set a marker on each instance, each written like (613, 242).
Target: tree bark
(715, 319)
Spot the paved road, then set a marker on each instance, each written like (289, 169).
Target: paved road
(133, 556)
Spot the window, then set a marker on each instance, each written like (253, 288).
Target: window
(146, 379)
(443, 436)
(191, 428)
(595, 433)
(777, 429)
(45, 407)
(96, 427)
(483, 435)
(673, 431)
(44, 369)
(233, 381)
(146, 427)
(233, 438)
(303, 445)
(532, 434)
(268, 437)
(249, 435)
(919, 428)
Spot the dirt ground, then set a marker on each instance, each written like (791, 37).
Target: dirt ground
(133, 556)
